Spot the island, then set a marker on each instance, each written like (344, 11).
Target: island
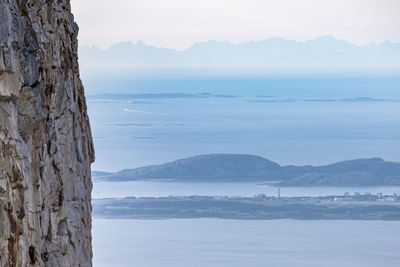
(250, 168)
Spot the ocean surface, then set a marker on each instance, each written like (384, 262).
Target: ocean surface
(148, 119)
(235, 243)
(287, 119)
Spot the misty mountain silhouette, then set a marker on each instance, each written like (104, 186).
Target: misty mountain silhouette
(325, 51)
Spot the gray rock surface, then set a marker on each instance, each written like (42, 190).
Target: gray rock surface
(45, 140)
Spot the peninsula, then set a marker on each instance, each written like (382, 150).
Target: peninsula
(259, 207)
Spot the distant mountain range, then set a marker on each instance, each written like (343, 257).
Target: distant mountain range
(244, 168)
(325, 51)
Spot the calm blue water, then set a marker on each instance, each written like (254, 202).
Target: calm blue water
(290, 120)
(234, 243)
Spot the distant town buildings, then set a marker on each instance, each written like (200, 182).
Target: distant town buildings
(346, 197)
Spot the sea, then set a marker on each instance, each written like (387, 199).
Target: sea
(241, 243)
(292, 120)
(146, 117)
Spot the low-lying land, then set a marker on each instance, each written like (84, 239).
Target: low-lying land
(260, 207)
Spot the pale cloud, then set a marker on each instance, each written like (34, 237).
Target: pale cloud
(180, 23)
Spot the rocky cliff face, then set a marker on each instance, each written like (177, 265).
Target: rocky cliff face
(45, 140)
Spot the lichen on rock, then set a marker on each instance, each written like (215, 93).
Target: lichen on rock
(45, 140)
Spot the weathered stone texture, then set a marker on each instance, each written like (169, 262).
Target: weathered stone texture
(45, 140)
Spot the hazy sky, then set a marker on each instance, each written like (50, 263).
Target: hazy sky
(180, 23)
